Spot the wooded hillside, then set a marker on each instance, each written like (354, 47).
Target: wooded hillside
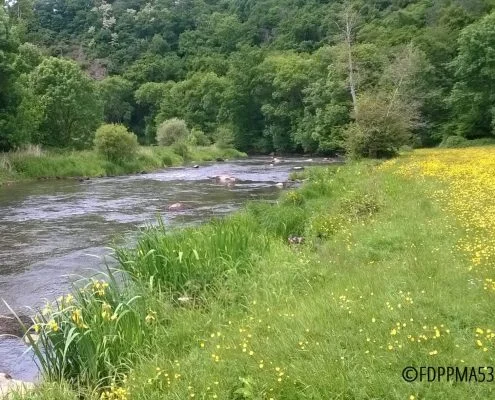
(316, 76)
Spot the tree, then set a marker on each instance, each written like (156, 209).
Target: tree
(172, 131)
(282, 79)
(68, 103)
(349, 20)
(116, 94)
(389, 115)
(199, 100)
(9, 94)
(473, 96)
(148, 99)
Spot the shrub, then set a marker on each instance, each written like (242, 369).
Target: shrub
(181, 149)
(454, 141)
(116, 143)
(171, 131)
(224, 137)
(198, 138)
(381, 128)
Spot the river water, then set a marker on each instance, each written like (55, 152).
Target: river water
(54, 232)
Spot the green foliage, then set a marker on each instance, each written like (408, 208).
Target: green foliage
(224, 137)
(117, 96)
(172, 131)
(192, 261)
(34, 163)
(198, 138)
(294, 198)
(91, 335)
(180, 148)
(453, 141)
(148, 98)
(461, 142)
(277, 73)
(67, 108)
(199, 100)
(325, 225)
(115, 143)
(472, 98)
(382, 128)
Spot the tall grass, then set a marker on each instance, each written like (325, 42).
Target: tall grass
(34, 163)
(194, 260)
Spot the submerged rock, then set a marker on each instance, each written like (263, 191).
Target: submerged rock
(225, 179)
(177, 207)
(10, 325)
(8, 386)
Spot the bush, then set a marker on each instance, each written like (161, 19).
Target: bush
(462, 142)
(116, 143)
(91, 335)
(198, 138)
(171, 131)
(454, 141)
(381, 127)
(181, 149)
(224, 137)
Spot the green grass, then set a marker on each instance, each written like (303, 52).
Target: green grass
(36, 164)
(331, 319)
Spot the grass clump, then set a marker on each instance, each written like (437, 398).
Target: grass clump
(91, 336)
(192, 261)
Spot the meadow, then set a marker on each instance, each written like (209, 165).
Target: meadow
(35, 163)
(396, 270)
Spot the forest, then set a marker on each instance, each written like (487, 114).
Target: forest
(284, 76)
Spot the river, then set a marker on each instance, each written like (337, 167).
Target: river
(54, 232)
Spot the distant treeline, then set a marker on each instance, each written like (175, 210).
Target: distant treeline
(318, 76)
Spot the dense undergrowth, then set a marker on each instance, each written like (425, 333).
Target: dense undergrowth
(231, 310)
(37, 164)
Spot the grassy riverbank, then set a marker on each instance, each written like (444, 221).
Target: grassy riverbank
(34, 163)
(396, 270)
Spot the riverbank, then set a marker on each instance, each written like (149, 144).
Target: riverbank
(35, 164)
(394, 271)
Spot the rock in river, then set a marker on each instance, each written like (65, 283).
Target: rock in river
(177, 207)
(9, 324)
(225, 179)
